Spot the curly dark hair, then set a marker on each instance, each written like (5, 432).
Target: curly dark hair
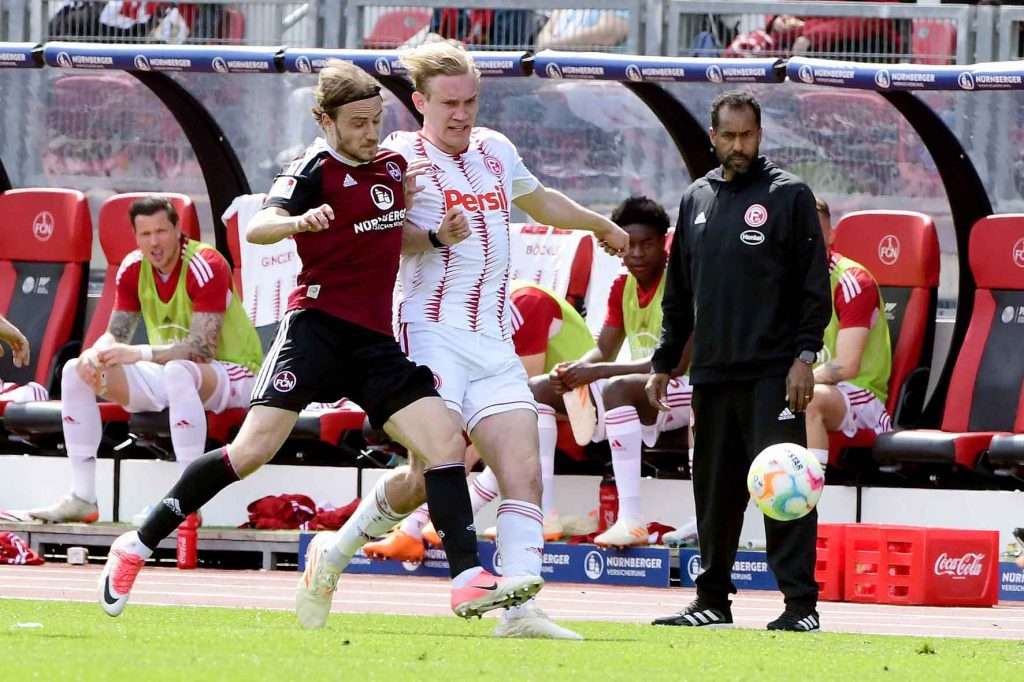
(643, 211)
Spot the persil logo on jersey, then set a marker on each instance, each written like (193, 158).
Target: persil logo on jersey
(490, 201)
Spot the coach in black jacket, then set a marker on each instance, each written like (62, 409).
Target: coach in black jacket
(748, 276)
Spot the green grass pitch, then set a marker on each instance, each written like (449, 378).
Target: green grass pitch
(79, 642)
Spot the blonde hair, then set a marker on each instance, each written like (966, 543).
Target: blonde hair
(442, 58)
(340, 83)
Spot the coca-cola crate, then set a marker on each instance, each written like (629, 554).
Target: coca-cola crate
(914, 565)
(829, 567)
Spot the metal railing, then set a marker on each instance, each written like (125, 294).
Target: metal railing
(876, 32)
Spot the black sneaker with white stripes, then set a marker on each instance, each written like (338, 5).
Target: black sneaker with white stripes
(698, 615)
(797, 621)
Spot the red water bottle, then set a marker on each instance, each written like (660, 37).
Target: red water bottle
(608, 504)
(188, 542)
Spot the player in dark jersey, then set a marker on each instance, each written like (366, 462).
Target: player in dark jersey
(344, 203)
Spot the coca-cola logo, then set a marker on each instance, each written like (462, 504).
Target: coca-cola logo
(970, 564)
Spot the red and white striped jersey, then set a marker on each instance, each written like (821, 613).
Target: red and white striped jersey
(466, 285)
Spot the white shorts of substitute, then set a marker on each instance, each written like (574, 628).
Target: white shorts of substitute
(678, 396)
(147, 387)
(476, 375)
(863, 411)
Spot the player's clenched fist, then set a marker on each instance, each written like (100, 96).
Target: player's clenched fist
(454, 228)
(315, 219)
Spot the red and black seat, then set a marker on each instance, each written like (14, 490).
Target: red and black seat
(985, 387)
(45, 246)
(901, 250)
(117, 241)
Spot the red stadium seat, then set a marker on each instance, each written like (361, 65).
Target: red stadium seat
(985, 388)
(395, 26)
(45, 247)
(117, 241)
(901, 250)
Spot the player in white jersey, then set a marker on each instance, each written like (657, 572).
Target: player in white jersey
(454, 308)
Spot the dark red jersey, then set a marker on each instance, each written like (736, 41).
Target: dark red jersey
(349, 269)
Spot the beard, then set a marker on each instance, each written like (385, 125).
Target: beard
(737, 163)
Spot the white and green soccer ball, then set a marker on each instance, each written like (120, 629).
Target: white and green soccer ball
(785, 481)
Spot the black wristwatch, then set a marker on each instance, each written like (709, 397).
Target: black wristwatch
(808, 357)
(432, 236)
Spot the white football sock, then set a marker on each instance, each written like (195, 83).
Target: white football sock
(622, 425)
(820, 454)
(131, 543)
(372, 518)
(547, 429)
(187, 416)
(482, 490)
(82, 430)
(520, 537)
(413, 524)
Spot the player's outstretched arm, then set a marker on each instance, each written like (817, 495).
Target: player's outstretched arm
(273, 224)
(551, 207)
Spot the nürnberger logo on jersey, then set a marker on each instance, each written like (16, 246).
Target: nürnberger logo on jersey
(393, 170)
(493, 164)
(489, 201)
(756, 215)
(382, 196)
(889, 249)
(969, 564)
(284, 381)
(43, 226)
(1018, 253)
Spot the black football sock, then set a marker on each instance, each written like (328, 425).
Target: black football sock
(450, 510)
(199, 483)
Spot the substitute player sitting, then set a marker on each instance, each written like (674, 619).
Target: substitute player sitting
(624, 416)
(202, 355)
(851, 379)
(344, 204)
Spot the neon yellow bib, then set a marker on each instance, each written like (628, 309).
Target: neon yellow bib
(643, 325)
(573, 339)
(876, 362)
(170, 322)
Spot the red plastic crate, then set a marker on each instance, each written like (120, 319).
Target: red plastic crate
(829, 567)
(922, 566)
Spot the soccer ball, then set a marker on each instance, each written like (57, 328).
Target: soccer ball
(785, 481)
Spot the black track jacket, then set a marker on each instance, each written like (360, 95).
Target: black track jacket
(747, 275)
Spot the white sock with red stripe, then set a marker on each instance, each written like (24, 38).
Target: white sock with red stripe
(483, 489)
(414, 523)
(821, 454)
(622, 424)
(187, 416)
(547, 428)
(82, 430)
(372, 518)
(520, 537)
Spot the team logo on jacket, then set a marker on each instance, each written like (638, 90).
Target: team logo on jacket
(284, 381)
(1018, 253)
(494, 165)
(756, 215)
(889, 249)
(752, 237)
(383, 197)
(394, 171)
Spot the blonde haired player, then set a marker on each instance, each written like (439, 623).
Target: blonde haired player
(454, 312)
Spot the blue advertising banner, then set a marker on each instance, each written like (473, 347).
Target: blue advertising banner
(749, 572)
(1011, 581)
(198, 58)
(885, 77)
(645, 566)
(386, 62)
(591, 65)
(21, 55)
